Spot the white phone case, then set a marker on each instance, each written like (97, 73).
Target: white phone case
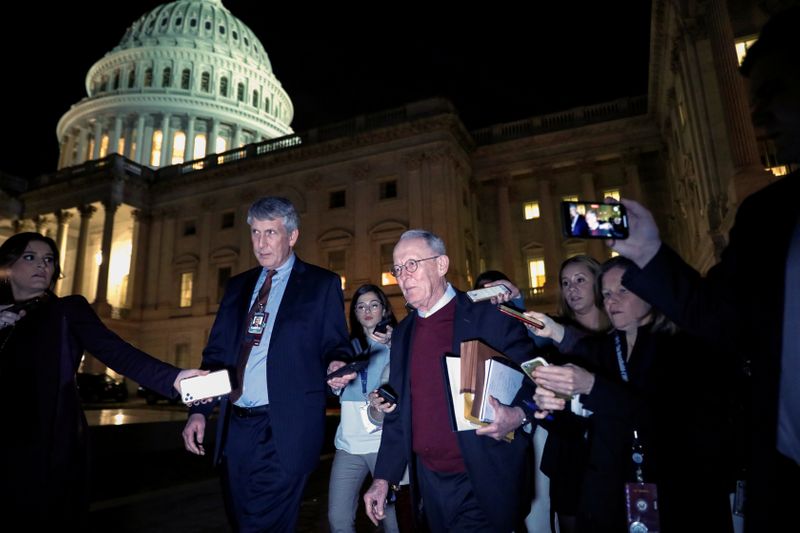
(487, 293)
(209, 386)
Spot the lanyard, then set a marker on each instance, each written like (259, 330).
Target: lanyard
(623, 369)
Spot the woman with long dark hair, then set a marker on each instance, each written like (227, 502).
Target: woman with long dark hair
(43, 453)
(359, 434)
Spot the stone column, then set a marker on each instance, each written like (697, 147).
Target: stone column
(140, 125)
(39, 223)
(188, 153)
(200, 303)
(750, 175)
(62, 218)
(630, 166)
(113, 147)
(211, 142)
(98, 139)
(101, 304)
(138, 271)
(86, 212)
(164, 137)
(594, 247)
(237, 136)
(81, 156)
(550, 218)
(505, 224)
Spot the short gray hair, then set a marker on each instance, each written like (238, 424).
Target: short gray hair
(434, 242)
(272, 208)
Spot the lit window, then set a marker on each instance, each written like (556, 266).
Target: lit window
(531, 210)
(781, 170)
(199, 151)
(536, 270)
(742, 47)
(337, 262)
(178, 147)
(221, 144)
(121, 146)
(187, 279)
(571, 198)
(90, 153)
(387, 261)
(155, 153)
(103, 146)
(611, 193)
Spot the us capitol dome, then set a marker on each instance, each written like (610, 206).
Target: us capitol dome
(188, 79)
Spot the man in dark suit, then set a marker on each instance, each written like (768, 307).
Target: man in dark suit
(277, 328)
(749, 303)
(467, 480)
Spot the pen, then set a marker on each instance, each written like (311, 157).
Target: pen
(532, 405)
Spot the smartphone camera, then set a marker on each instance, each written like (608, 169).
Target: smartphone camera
(594, 220)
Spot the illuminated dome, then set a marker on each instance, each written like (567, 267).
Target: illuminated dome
(187, 79)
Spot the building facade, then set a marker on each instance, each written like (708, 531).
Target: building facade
(152, 235)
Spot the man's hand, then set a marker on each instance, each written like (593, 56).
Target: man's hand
(375, 500)
(193, 434)
(9, 318)
(568, 379)
(547, 402)
(506, 296)
(342, 381)
(189, 373)
(506, 419)
(643, 241)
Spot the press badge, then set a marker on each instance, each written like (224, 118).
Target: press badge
(258, 323)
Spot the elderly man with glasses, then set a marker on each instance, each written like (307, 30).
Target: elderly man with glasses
(467, 480)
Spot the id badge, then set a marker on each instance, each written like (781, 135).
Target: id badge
(258, 323)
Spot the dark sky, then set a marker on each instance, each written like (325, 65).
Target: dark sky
(496, 61)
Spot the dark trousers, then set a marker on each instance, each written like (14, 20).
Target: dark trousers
(260, 494)
(449, 503)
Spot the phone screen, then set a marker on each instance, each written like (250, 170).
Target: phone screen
(594, 220)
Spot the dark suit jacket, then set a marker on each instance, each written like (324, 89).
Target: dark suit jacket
(739, 306)
(44, 452)
(309, 332)
(500, 472)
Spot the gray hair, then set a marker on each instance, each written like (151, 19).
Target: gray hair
(272, 208)
(434, 242)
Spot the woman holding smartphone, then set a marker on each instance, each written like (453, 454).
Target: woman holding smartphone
(359, 436)
(44, 455)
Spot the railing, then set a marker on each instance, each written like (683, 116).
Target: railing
(571, 118)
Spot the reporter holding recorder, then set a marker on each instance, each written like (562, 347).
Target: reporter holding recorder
(358, 436)
(44, 455)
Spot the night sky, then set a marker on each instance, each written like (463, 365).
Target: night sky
(496, 62)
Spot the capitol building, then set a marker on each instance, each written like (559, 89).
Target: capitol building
(185, 124)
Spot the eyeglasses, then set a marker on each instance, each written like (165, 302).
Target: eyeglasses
(410, 266)
(372, 307)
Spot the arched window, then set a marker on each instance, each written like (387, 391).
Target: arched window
(132, 78)
(266, 104)
(240, 92)
(255, 98)
(115, 86)
(186, 77)
(223, 87)
(166, 77)
(148, 77)
(205, 81)
(103, 84)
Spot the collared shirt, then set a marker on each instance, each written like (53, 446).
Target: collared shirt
(254, 389)
(448, 295)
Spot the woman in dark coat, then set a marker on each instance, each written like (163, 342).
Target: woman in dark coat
(43, 453)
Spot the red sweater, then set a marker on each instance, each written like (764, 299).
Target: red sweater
(433, 441)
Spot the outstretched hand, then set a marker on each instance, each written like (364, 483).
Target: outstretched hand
(643, 241)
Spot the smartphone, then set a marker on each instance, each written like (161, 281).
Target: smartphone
(381, 326)
(487, 293)
(387, 393)
(594, 220)
(211, 385)
(510, 311)
(349, 368)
